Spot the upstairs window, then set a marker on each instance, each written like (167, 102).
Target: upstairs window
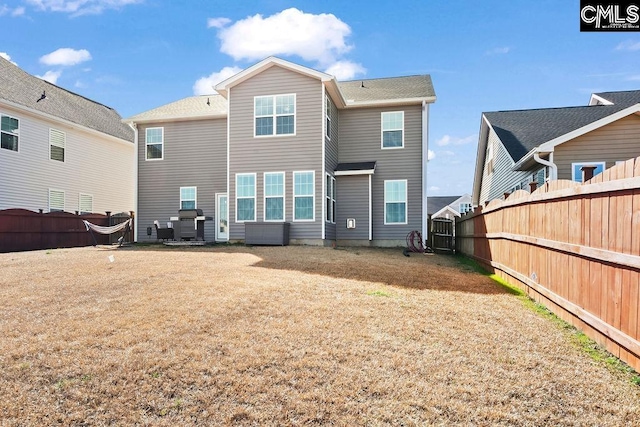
(275, 115)
(9, 133)
(188, 197)
(274, 196)
(57, 141)
(393, 129)
(154, 139)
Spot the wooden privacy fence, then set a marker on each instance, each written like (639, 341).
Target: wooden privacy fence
(573, 247)
(24, 230)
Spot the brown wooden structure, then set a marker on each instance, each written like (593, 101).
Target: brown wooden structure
(573, 247)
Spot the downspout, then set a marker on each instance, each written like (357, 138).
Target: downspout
(425, 159)
(553, 168)
(135, 179)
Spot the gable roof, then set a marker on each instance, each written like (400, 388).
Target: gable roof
(437, 203)
(626, 98)
(398, 89)
(21, 89)
(192, 108)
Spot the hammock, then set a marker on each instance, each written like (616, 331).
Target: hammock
(108, 230)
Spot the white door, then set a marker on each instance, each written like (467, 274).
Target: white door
(222, 218)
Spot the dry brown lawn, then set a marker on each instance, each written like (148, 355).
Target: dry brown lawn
(285, 336)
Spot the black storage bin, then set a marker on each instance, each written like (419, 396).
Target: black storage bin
(266, 233)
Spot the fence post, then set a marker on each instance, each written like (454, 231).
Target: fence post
(587, 172)
(532, 186)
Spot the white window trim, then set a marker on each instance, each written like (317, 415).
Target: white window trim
(11, 133)
(255, 191)
(382, 130)
(327, 112)
(573, 168)
(264, 196)
(64, 145)
(313, 196)
(64, 199)
(406, 202)
(146, 143)
(330, 199)
(80, 202)
(275, 115)
(188, 200)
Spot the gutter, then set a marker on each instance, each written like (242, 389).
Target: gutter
(425, 159)
(553, 168)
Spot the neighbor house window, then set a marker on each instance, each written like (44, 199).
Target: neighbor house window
(275, 115)
(274, 196)
(540, 177)
(154, 138)
(327, 114)
(303, 195)
(331, 199)
(576, 171)
(85, 203)
(464, 208)
(245, 197)
(188, 197)
(393, 129)
(9, 133)
(57, 141)
(56, 200)
(395, 202)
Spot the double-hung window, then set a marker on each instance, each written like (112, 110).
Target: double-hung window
(188, 197)
(57, 142)
(395, 201)
(245, 197)
(576, 169)
(331, 199)
(154, 139)
(393, 129)
(303, 196)
(85, 203)
(274, 196)
(9, 133)
(275, 115)
(327, 113)
(56, 200)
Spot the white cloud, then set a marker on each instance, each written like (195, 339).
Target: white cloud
(448, 153)
(434, 188)
(634, 78)
(204, 85)
(449, 140)
(431, 155)
(6, 10)
(80, 7)
(6, 56)
(66, 57)
(629, 45)
(18, 11)
(345, 70)
(51, 76)
(218, 22)
(320, 38)
(499, 50)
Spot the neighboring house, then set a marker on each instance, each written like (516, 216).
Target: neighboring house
(60, 151)
(342, 162)
(448, 207)
(519, 147)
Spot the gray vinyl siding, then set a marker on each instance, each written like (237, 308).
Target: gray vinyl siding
(195, 155)
(619, 140)
(353, 193)
(299, 152)
(360, 140)
(99, 166)
(331, 161)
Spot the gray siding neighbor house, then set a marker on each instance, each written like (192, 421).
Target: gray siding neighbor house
(516, 148)
(341, 162)
(60, 151)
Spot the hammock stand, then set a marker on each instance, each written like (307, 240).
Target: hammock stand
(126, 226)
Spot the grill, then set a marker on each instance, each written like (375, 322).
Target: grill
(190, 224)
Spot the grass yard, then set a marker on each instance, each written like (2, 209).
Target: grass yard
(285, 336)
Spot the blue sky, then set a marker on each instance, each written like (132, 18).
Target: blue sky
(135, 55)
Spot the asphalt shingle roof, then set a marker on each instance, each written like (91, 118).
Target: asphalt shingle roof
(358, 166)
(522, 130)
(435, 203)
(387, 88)
(194, 106)
(22, 88)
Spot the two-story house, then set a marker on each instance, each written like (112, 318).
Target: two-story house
(60, 151)
(518, 147)
(341, 162)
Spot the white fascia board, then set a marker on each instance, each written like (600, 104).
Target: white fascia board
(354, 172)
(174, 119)
(483, 135)
(548, 147)
(595, 100)
(72, 125)
(446, 208)
(265, 64)
(526, 158)
(390, 102)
